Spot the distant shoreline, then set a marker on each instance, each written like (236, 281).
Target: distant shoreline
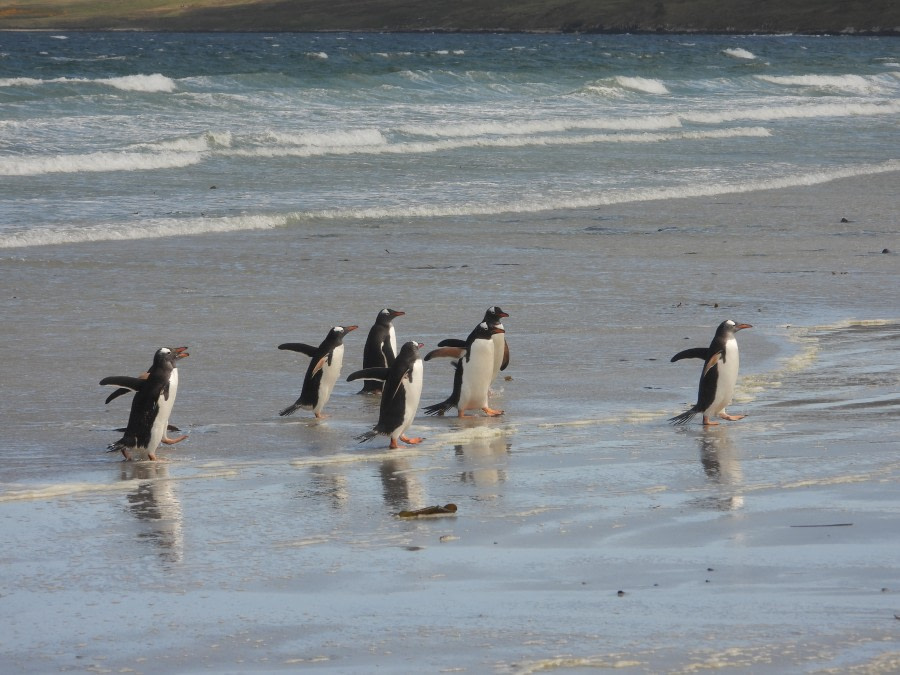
(876, 18)
(443, 31)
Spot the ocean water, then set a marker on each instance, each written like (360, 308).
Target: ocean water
(123, 135)
(619, 196)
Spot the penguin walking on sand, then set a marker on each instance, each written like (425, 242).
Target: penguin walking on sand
(381, 347)
(323, 370)
(492, 317)
(180, 353)
(720, 370)
(401, 394)
(474, 364)
(150, 408)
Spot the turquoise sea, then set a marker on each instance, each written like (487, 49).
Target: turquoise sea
(126, 135)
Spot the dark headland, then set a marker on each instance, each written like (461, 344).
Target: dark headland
(838, 17)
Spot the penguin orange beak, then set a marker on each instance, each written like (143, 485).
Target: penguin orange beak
(350, 328)
(180, 352)
(742, 326)
(395, 313)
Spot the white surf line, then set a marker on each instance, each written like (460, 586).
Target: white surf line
(19, 492)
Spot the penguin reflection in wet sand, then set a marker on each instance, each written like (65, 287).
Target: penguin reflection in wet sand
(720, 371)
(323, 370)
(150, 409)
(400, 398)
(474, 372)
(381, 347)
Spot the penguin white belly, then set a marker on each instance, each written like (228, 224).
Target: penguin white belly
(727, 378)
(477, 375)
(499, 348)
(165, 406)
(413, 389)
(330, 373)
(160, 424)
(392, 338)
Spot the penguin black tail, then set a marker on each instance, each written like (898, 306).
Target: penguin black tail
(683, 418)
(368, 436)
(290, 410)
(440, 408)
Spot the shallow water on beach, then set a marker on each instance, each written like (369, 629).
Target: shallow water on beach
(589, 532)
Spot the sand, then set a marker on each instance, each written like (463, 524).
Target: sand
(589, 534)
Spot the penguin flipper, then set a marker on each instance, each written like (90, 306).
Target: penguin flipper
(505, 361)
(693, 353)
(116, 394)
(132, 383)
(711, 361)
(369, 374)
(301, 347)
(446, 352)
(320, 364)
(452, 342)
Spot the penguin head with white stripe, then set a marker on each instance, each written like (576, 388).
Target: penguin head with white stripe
(484, 330)
(387, 314)
(164, 358)
(729, 327)
(410, 349)
(494, 314)
(337, 333)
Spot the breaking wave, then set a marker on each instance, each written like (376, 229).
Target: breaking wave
(149, 229)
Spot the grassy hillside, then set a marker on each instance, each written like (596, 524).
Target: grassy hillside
(716, 16)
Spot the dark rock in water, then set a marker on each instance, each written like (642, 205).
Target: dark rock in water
(429, 511)
(885, 250)
(844, 220)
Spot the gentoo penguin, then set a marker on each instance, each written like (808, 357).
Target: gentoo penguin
(323, 370)
(474, 370)
(720, 371)
(381, 347)
(492, 317)
(180, 353)
(150, 407)
(400, 399)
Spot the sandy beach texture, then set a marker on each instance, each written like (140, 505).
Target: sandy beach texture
(590, 535)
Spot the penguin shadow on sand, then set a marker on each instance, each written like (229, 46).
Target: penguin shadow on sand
(483, 461)
(155, 505)
(721, 464)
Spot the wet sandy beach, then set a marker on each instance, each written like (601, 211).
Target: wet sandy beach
(590, 534)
